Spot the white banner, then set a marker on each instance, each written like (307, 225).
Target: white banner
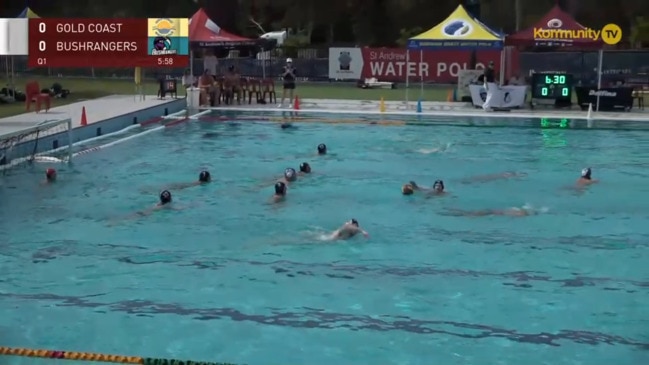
(504, 96)
(345, 63)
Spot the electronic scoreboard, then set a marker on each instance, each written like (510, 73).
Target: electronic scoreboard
(552, 86)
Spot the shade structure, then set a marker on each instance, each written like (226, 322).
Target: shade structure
(203, 32)
(555, 29)
(459, 30)
(28, 13)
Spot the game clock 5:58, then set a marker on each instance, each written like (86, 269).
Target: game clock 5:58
(552, 86)
(165, 61)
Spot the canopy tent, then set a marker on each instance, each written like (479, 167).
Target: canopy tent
(205, 33)
(559, 29)
(556, 28)
(459, 30)
(28, 13)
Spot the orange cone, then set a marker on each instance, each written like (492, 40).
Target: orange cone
(296, 104)
(84, 119)
(449, 96)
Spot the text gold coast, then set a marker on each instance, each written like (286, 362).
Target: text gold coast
(89, 28)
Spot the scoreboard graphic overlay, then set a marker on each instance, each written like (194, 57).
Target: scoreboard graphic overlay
(108, 43)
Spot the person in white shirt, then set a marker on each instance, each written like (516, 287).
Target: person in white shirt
(210, 62)
(188, 79)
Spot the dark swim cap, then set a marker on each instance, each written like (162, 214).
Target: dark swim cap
(585, 173)
(322, 148)
(280, 188)
(204, 176)
(354, 222)
(290, 174)
(305, 167)
(439, 183)
(165, 197)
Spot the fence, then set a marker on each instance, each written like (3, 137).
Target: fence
(582, 64)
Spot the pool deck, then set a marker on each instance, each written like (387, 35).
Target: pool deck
(97, 110)
(440, 109)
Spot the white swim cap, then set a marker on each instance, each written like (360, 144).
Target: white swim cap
(289, 60)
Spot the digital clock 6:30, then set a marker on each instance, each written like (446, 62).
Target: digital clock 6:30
(552, 86)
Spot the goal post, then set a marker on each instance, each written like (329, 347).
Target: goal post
(52, 138)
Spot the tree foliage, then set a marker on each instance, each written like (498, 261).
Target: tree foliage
(360, 22)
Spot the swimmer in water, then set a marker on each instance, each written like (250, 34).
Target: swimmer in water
(163, 203)
(165, 198)
(50, 175)
(586, 178)
(322, 149)
(348, 230)
(438, 188)
(290, 175)
(204, 177)
(305, 169)
(280, 192)
(510, 212)
(411, 187)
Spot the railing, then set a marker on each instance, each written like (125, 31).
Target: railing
(582, 64)
(96, 357)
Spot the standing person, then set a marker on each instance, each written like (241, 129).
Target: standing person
(288, 76)
(210, 62)
(490, 85)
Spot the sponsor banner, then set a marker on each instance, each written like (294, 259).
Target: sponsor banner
(393, 64)
(504, 97)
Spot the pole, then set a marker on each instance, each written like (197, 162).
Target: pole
(407, 81)
(421, 74)
(599, 75)
(191, 63)
(70, 140)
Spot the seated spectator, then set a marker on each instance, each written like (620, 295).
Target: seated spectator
(208, 90)
(232, 85)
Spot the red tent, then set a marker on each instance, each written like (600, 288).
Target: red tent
(555, 29)
(205, 33)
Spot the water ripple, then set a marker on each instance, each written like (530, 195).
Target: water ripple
(314, 318)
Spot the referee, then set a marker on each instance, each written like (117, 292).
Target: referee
(490, 85)
(288, 76)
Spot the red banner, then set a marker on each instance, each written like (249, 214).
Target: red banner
(393, 64)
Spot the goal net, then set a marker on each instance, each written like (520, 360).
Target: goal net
(47, 141)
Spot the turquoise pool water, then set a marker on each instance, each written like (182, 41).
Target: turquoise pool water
(229, 277)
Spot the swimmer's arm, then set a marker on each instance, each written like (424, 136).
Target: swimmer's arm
(362, 231)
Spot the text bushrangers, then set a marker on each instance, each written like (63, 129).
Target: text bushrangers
(542, 33)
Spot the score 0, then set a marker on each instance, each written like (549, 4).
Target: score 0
(38, 50)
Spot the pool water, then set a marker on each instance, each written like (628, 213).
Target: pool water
(229, 277)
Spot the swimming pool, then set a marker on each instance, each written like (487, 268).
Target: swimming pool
(229, 277)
